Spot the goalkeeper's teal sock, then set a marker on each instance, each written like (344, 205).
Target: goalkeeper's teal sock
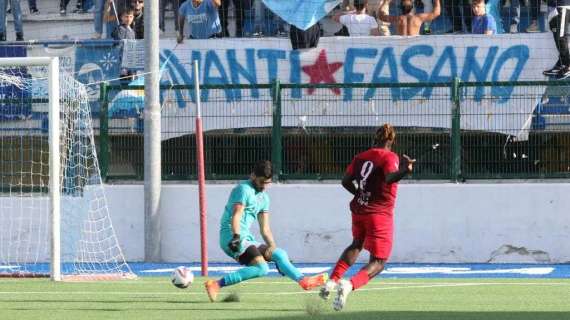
(281, 259)
(254, 271)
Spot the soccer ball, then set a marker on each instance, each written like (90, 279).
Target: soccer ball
(182, 277)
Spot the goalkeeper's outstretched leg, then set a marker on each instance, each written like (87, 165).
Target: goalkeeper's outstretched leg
(256, 267)
(286, 268)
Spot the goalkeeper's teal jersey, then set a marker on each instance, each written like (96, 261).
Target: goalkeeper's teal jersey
(254, 202)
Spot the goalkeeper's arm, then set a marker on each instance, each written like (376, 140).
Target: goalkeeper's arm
(236, 217)
(267, 235)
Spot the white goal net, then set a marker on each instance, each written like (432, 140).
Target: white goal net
(81, 243)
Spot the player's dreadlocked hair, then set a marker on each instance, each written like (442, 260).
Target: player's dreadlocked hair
(385, 133)
(263, 169)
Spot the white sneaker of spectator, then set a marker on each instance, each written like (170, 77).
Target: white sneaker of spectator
(533, 27)
(514, 28)
(96, 36)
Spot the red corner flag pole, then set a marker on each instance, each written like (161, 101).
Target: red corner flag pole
(201, 174)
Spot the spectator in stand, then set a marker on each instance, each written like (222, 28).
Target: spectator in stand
(138, 24)
(175, 7)
(534, 9)
(561, 31)
(105, 12)
(243, 14)
(17, 13)
(341, 9)
(305, 39)
(483, 23)
(384, 27)
(409, 23)
(358, 22)
(422, 6)
(453, 9)
(202, 17)
(267, 23)
(33, 7)
(124, 30)
(63, 7)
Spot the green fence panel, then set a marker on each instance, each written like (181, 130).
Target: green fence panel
(519, 152)
(237, 132)
(322, 131)
(455, 130)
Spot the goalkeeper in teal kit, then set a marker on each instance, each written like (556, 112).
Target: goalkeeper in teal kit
(248, 203)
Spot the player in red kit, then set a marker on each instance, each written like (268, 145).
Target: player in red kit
(372, 177)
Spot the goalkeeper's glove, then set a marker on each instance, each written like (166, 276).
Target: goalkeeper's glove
(234, 243)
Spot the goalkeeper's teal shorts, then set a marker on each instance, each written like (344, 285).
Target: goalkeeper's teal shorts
(245, 242)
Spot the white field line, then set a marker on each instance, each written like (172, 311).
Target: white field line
(150, 294)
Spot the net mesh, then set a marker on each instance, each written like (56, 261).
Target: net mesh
(89, 246)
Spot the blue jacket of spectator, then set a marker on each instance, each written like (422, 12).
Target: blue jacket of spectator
(483, 23)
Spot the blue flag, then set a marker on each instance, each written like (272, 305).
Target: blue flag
(492, 8)
(301, 13)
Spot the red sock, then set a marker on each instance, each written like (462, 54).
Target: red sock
(360, 279)
(339, 270)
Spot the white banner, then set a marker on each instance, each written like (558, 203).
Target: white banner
(437, 58)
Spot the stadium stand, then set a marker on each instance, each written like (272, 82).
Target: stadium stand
(45, 22)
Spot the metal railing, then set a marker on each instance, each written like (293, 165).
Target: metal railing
(456, 130)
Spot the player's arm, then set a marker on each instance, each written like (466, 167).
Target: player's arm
(236, 217)
(383, 16)
(348, 179)
(406, 167)
(237, 213)
(217, 3)
(348, 184)
(429, 16)
(266, 234)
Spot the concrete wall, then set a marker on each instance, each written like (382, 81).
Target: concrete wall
(526, 222)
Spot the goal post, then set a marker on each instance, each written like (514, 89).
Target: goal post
(54, 217)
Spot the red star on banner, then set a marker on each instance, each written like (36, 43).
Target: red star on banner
(322, 72)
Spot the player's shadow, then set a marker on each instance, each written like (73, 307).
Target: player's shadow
(428, 315)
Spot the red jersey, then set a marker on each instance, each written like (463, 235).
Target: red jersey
(369, 169)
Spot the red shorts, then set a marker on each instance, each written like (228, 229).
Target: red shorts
(376, 231)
